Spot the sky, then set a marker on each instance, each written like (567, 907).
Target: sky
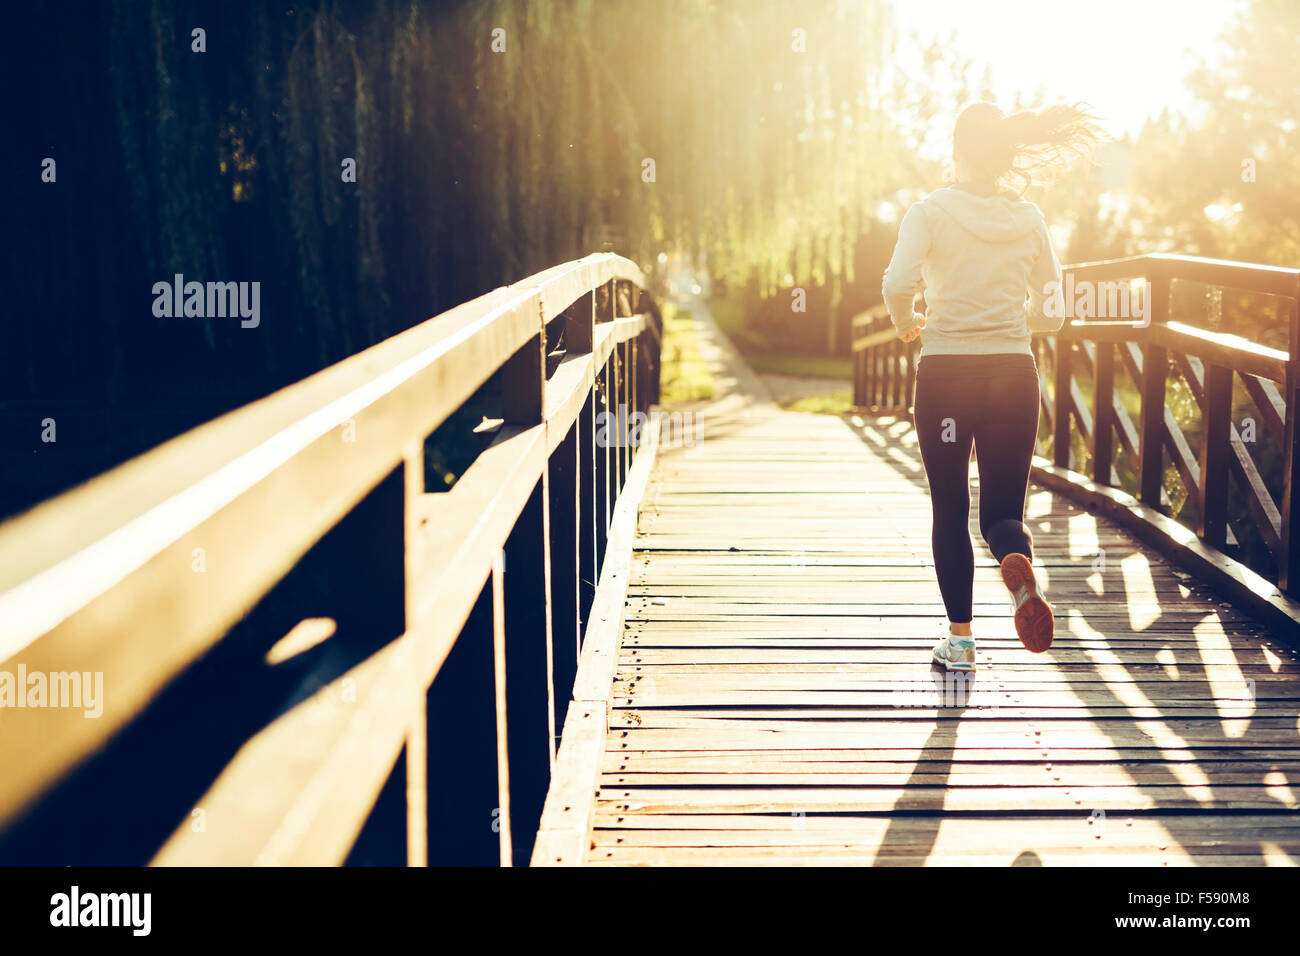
(1128, 58)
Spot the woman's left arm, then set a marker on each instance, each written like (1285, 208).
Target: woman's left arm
(1046, 307)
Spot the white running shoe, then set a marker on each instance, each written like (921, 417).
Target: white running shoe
(955, 653)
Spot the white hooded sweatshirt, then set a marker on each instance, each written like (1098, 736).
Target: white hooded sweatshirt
(989, 271)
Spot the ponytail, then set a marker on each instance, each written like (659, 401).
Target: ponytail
(1025, 148)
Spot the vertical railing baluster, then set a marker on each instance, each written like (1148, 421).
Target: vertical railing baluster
(1046, 353)
(857, 378)
(633, 386)
(417, 774)
(1061, 399)
(1216, 425)
(1103, 418)
(1155, 369)
(882, 389)
(417, 782)
(615, 425)
(524, 582)
(869, 380)
(1289, 550)
(890, 351)
(579, 339)
(877, 376)
(499, 683)
(604, 507)
(563, 502)
(895, 347)
(909, 385)
(624, 410)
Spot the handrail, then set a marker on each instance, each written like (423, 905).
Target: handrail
(1222, 371)
(107, 579)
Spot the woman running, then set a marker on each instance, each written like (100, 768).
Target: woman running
(991, 278)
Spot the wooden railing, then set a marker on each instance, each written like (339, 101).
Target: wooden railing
(1118, 434)
(306, 655)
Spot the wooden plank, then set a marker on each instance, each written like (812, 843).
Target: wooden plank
(852, 856)
(1001, 775)
(798, 766)
(1232, 713)
(972, 799)
(918, 754)
(1062, 661)
(1172, 734)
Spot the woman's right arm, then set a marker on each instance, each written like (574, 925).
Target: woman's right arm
(903, 276)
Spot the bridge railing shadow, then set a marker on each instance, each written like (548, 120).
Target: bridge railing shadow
(1230, 728)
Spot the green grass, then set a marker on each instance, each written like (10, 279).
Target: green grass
(832, 403)
(729, 315)
(801, 366)
(685, 377)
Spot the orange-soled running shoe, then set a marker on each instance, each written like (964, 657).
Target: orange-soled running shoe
(1034, 621)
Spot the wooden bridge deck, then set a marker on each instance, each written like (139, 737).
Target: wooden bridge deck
(774, 702)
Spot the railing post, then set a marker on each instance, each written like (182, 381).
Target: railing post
(1155, 368)
(1044, 346)
(1289, 550)
(882, 376)
(1061, 400)
(652, 355)
(504, 820)
(896, 349)
(563, 471)
(618, 399)
(857, 378)
(646, 355)
(1216, 424)
(868, 377)
(579, 331)
(604, 299)
(417, 765)
(1104, 412)
(886, 376)
(618, 393)
(909, 385)
(524, 624)
(876, 398)
(629, 375)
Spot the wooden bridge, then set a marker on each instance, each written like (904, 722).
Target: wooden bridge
(698, 639)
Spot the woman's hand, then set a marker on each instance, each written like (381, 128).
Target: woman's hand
(912, 335)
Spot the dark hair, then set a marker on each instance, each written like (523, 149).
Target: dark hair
(1024, 148)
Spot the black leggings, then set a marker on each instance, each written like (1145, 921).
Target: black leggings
(992, 400)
